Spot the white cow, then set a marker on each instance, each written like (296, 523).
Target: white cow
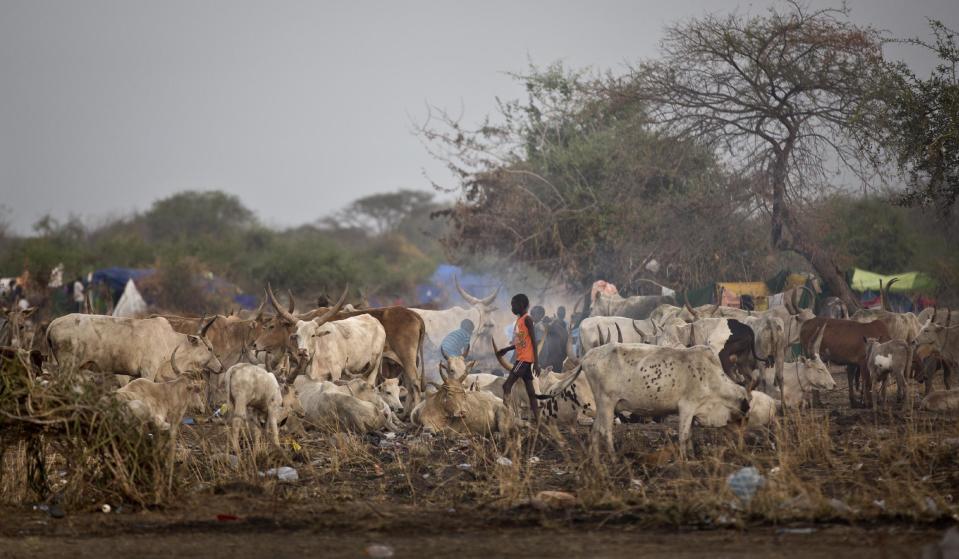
(801, 377)
(351, 346)
(253, 386)
(655, 381)
(128, 346)
(352, 405)
(762, 410)
(163, 403)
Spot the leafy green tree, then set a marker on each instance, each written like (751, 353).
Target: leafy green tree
(191, 214)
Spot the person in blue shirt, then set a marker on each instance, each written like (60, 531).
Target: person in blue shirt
(458, 340)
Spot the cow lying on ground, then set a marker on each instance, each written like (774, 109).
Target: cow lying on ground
(253, 386)
(801, 377)
(494, 385)
(655, 381)
(352, 405)
(453, 408)
(163, 403)
(762, 410)
(942, 401)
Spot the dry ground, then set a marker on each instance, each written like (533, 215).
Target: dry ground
(863, 480)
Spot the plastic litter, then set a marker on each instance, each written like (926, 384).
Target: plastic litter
(379, 551)
(105, 508)
(189, 421)
(504, 461)
(800, 531)
(283, 473)
(464, 466)
(745, 482)
(840, 507)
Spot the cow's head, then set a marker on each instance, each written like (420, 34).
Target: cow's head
(932, 336)
(389, 391)
(484, 306)
(814, 373)
(197, 353)
(451, 395)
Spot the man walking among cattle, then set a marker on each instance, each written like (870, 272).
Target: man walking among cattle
(524, 348)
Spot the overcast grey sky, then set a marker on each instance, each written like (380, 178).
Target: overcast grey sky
(296, 107)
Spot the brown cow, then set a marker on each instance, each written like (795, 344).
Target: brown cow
(404, 328)
(844, 343)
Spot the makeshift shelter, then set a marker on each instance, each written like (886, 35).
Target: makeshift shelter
(904, 294)
(441, 289)
(131, 303)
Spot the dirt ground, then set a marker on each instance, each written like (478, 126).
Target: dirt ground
(415, 497)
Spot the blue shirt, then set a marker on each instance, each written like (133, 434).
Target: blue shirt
(455, 342)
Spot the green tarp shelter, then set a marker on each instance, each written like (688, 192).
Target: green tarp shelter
(909, 282)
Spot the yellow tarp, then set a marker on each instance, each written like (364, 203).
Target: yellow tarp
(909, 282)
(753, 288)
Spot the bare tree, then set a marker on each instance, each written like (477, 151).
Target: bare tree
(787, 97)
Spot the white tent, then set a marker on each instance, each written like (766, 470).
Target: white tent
(131, 304)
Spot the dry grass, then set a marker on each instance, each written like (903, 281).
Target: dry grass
(831, 464)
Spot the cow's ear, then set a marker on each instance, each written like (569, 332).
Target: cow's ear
(195, 340)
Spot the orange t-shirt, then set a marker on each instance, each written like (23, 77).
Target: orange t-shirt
(522, 341)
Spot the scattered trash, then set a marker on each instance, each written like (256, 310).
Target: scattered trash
(800, 531)
(925, 478)
(545, 500)
(534, 460)
(745, 482)
(294, 446)
(931, 506)
(775, 471)
(636, 483)
(559, 472)
(881, 504)
(464, 466)
(227, 518)
(105, 508)
(841, 507)
(724, 520)
(947, 548)
(283, 473)
(426, 476)
(857, 467)
(504, 461)
(189, 421)
(390, 435)
(379, 551)
(42, 507)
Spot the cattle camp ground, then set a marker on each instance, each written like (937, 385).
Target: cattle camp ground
(479, 279)
(311, 420)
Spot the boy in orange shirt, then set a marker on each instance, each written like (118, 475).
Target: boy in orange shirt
(524, 346)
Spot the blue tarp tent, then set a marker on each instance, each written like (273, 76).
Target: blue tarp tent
(441, 289)
(116, 278)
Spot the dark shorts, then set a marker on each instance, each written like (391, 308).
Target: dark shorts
(523, 370)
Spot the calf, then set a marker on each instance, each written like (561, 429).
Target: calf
(942, 401)
(762, 410)
(885, 358)
(162, 403)
(253, 386)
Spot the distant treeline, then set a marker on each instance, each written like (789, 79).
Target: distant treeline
(384, 244)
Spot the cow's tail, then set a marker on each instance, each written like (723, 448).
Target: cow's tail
(561, 386)
(50, 346)
(229, 392)
(421, 366)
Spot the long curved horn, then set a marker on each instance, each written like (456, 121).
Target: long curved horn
(206, 326)
(466, 351)
(812, 295)
(600, 332)
(259, 311)
(176, 370)
(334, 309)
(502, 360)
(885, 297)
(292, 301)
(474, 300)
(285, 314)
(818, 342)
(638, 331)
(619, 334)
(689, 307)
(445, 355)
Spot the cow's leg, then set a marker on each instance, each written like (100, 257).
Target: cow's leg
(602, 432)
(851, 378)
(272, 426)
(685, 431)
(902, 390)
(866, 384)
(946, 371)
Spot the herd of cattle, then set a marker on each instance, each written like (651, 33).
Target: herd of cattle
(373, 369)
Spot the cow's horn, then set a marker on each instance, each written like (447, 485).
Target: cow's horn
(502, 360)
(443, 351)
(334, 309)
(206, 326)
(466, 351)
(818, 342)
(259, 310)
(812, 297)
(638, 331)
(619, 334)
(689, 307)
(471, 299)
(600, 332)
(176, 370)
(292, 301)
(285, 314)
(885, 297)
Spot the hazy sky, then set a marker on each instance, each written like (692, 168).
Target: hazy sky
(296, 107)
